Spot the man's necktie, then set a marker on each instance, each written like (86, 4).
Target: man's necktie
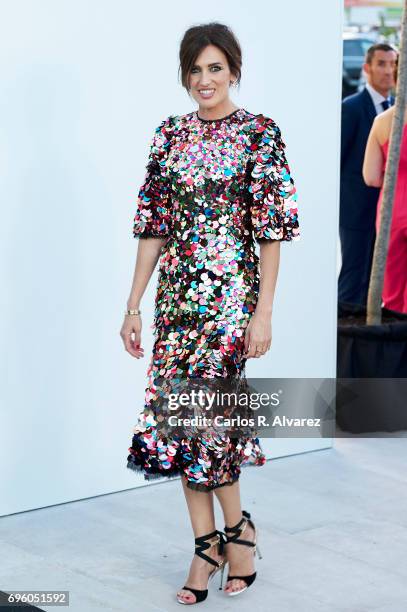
(385, 104)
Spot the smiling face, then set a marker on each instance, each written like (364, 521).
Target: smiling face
(380, 72)
(210, 78)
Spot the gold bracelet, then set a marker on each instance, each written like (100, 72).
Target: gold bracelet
(136, 311)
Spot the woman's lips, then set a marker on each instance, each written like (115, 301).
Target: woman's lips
(206, 94)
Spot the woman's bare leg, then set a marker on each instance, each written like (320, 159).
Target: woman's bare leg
(240, 558)
(202, 516)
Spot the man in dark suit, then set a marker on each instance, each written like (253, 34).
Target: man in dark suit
(358, 202)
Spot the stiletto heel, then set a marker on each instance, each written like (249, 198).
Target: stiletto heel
(237, 531)
(221, 575)
(218, 538)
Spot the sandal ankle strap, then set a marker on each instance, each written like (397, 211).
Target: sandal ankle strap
(202, 544)
(237, 530)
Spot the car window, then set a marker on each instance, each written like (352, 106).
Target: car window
(357, 47)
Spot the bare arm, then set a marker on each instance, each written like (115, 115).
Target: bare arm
(258, 332)
(373, 161)
(148, 253)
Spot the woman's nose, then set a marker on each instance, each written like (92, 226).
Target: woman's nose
(205, 79)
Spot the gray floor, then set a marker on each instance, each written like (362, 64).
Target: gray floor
(332, 531)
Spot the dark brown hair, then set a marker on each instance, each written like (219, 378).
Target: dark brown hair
(198, 37)
(378, 47)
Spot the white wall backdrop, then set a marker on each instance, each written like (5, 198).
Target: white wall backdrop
(84, 84)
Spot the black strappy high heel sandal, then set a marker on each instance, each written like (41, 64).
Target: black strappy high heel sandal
(201, 544)
(237, 531)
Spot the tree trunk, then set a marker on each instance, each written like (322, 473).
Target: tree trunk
(374, 299)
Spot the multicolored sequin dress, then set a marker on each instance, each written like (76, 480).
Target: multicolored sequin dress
(212, 188)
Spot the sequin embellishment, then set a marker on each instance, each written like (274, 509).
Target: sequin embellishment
(212, 188)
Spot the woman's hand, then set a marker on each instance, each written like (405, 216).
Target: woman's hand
(257, 339)
(132, 326)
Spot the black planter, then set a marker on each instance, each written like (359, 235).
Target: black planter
(371, 371)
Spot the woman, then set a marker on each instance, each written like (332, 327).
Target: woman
(216, 177)
(394, 293)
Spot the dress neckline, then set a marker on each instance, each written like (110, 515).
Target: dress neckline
(220, 119)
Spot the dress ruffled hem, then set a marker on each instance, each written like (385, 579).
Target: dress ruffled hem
(176, 473)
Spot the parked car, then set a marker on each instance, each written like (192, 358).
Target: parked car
(355, 46)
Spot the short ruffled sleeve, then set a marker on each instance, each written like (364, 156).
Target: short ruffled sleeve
(153, 214)
(273, 202)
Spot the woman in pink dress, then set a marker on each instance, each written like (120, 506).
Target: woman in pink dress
(394, 294)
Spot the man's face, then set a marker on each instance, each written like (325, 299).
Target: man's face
(380, 72)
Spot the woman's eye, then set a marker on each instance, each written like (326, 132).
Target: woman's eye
(216, 68)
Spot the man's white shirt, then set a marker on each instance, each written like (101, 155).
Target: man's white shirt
(376, 97)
